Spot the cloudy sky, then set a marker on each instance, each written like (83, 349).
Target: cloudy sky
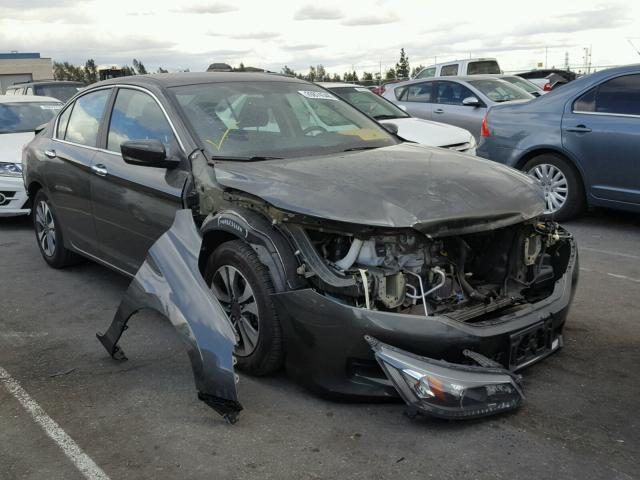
(359, 34)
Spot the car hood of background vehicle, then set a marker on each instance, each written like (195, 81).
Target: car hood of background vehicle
(430, 133)
(436, 191)
(11, 146)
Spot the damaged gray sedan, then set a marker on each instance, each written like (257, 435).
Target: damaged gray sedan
(276, 226)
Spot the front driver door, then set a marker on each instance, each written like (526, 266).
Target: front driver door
(449, 109)
(601, 129)
(134, 205)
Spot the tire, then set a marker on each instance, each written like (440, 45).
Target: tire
(237, 261)
(49, 234)
(564, 191)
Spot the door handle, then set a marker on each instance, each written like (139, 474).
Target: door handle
(99, 170)
(50, 153)
(438, 110)
(578, 129)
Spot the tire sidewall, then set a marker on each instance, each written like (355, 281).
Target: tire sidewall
(57, 259)
(267, 355)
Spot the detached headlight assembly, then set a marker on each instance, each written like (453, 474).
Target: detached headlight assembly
(10, 169)
(448, 390)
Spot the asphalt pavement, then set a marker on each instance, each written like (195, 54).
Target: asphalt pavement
(141, 418)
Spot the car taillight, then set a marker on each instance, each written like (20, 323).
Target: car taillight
(484, 131)
(547, 87)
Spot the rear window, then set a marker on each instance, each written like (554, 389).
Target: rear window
(484, 67)
(427, 72)
(61, 92)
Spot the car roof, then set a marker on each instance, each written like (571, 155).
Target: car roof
(459, 78)
(27, 99)
(193, 78)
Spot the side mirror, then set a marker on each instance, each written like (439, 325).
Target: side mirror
(146, 153)
(471, 102)
(390, 127)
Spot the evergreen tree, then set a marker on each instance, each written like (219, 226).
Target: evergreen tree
(416, 70)
(390, 74)
(162, 70)
(402, 67)
(288, 71)
(138, 66)
(90, 71)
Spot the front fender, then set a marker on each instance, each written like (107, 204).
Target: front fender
(170, 283)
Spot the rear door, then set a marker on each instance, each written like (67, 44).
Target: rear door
(448, 107)
(134, 205)
(68, 167)
(416, 98)
(601, 128)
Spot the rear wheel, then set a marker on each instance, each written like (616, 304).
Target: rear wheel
(49, 234)
(243, 286)
(563, 189)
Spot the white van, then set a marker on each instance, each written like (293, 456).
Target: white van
(470, 66)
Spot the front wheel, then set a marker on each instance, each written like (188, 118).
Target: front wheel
(243, 286)
(562, 186)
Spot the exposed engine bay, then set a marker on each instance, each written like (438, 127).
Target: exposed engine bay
(464, 277)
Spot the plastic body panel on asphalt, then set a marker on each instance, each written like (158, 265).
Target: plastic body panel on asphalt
(170, 283)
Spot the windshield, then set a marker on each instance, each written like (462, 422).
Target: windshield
(523, 84)
(26, 116)
(61, 92)
(262, 120)
(369, 103)
(500, 91)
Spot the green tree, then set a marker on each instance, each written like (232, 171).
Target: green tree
(311, 76)
(239, 68)
(402, 67)
(390, 74)
(127, 71)
(138, 66)
(162, 70)
(288, 71)
(321, 74)
(335, 78)
(90, 71)
(416, 70)
(367, 77)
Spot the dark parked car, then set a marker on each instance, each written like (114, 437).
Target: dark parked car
(61, 89)
(305, 235)
(581, 141)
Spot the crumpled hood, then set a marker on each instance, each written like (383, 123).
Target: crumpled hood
(428, 132)
(11, 146)
(433, 190)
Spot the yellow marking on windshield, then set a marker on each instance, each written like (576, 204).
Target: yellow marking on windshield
(364, 133)
(219, 144)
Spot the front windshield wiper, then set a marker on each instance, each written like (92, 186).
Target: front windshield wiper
(256, 158)
(386, 117)
(354, 149)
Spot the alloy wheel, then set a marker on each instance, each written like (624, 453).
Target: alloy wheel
(554, 184)
(46, 229)
(236, 296)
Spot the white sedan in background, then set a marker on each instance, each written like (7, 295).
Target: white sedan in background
(19, 116)
(425, 132)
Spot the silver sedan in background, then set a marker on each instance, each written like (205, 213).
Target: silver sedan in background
(459, 101)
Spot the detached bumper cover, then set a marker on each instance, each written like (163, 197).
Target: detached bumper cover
(170, 283)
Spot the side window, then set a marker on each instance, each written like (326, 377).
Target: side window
(63, 121)
(620, 95)
(587, 102)
(137, 116)
(418, 92)
(449, 70)
(451, 93)
(29, 91)
(86, 116)
(400, 93)
(427, 73)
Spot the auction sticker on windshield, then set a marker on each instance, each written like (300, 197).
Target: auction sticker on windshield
(317, 95)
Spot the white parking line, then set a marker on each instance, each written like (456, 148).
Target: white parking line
(70, 448)
(614, 275)
(608, 252)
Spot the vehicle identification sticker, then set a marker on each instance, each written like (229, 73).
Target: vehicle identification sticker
(50, 107)
(317, 95)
